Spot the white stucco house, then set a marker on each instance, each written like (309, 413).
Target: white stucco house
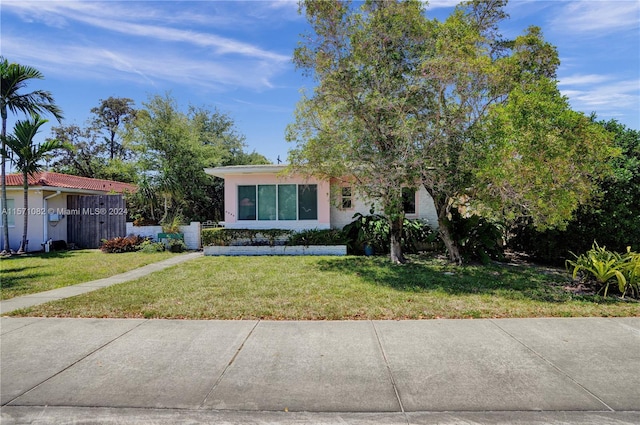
(49, 213)
(263, 197)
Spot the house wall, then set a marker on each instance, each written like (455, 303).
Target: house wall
(232, 181)
(425, 208)
(36, 223)
(56, 230)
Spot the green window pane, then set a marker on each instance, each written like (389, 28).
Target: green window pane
(307, 202)
(267, 202)
(246, 202)
(287, 202)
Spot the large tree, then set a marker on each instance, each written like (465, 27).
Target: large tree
(477, 119)
(174, 148)
(110, 117)
(99, 150)
(499, 139)
(363, 117)
(15, 78)
(27, 157)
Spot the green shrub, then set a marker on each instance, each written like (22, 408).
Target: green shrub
(611, 217)
(374, 230)
(477, 237)
(606, 266)
(117, 245)
(318, 237)
(223, 237)
(148, 246)
(177, 245)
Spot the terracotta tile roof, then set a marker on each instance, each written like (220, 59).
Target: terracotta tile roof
(67, 181)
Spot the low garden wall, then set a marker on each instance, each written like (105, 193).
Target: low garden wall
(252, 242)
(276, 250)
(192, 233)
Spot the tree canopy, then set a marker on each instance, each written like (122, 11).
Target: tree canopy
(402, 100)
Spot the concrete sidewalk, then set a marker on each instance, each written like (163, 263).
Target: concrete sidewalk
(82, 288)
(391, 372)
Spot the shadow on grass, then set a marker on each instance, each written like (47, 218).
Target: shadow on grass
(429, 275)
(16, 275)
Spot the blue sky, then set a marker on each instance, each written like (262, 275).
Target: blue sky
(236, 56)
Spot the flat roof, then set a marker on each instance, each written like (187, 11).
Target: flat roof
(245, 169)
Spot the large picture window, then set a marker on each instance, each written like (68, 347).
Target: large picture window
(267, 202)
(307, 202)
(278, 202)
(246, 202)
(287, 202)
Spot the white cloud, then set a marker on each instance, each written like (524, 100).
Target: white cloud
(119, 19)
(438, 4)
(604, 94)
(596, 18)
(145, 67)
(583, 79)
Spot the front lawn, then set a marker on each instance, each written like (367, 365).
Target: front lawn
(31, 273)
(335, 288)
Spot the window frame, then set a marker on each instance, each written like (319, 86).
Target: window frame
(297, 208)
(346, 197)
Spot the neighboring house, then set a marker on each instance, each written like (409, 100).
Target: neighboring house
(262, 197)
(53, 201)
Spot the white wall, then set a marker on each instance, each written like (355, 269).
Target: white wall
(36, 220)
(192, 233)
(425, 209)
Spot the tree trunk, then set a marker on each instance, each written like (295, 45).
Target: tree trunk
(453, 251)
(5, 217)
(441, 202)
(25, 215)
(396, 240)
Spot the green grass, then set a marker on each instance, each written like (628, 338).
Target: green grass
(31, 273)
(334, 288)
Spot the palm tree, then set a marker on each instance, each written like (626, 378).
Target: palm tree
(27, 158)
(14, 79)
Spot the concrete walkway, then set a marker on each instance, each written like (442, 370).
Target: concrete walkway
(81, 288)
(507, 371)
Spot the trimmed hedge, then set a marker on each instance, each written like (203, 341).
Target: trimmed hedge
(225, 237)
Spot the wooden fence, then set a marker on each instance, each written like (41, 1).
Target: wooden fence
(92, 218)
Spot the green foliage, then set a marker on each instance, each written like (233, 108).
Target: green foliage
(318, 237)
(631, 271)
(171, 224)
(173, 149)
(374, 230)
(478, 238)
(612, 217)
(99, 150)
(27, 156)
(476, 119)
(177, 245)
(14, 78)
(225, 237)
(122, 244)
(363, 115)
(606, 266)
(148, 246)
